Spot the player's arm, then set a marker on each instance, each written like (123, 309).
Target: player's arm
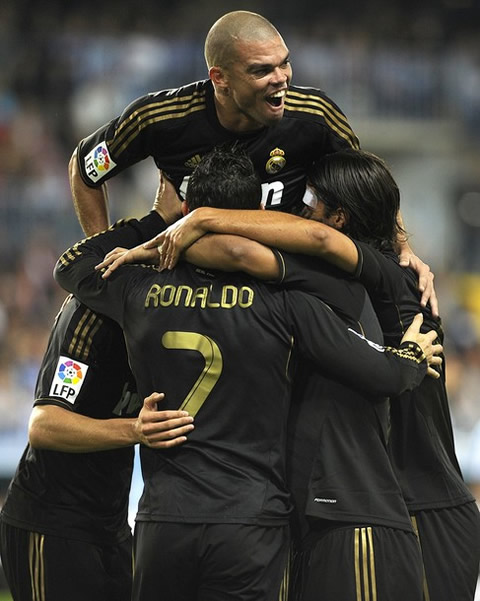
(213, 251)
(407, 258)
(75, 269)
(281, 230)
(288, 232)
(234, 253)
(56, 429)
(349, 357)
(91, 204)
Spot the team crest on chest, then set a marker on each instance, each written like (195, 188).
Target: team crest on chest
(276, 162)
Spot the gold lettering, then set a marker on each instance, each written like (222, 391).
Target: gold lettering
(229, 296)
(188, 296)
(246, 297)
(210, 303)
(200, 294)
(152, 295)
(167, 295)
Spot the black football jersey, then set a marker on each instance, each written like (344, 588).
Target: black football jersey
(338, 465)
(177, 127)
(83, 496)
(223, 346)
(85, 369)
(421, 442)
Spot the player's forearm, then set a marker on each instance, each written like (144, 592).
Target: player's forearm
(267, 227)
(56, 429)
(233, 253)
(91, 204)
(282, 230)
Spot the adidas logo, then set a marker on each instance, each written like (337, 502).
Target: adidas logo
(193, 162)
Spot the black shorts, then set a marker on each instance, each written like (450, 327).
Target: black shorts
(450, 543)
(209, 562)
(41, 567)
(357, 563)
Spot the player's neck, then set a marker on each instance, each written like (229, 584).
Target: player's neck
(231, 118)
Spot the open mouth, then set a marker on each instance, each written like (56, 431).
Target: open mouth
(276, 98)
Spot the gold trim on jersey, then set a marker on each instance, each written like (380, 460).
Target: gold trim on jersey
(84, 333)
(315, 105)
(285, 584)
(426, 592)
(364, 558)
(36, 565)
(154, 112)
(71, 254)
(408, 350)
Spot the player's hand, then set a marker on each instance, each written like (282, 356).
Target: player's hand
(425, 278)
(167, 202)
(426, 342)
(121, 256)
(175, 239)
(161, 429)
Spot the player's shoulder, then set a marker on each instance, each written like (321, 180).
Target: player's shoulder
(311, 101)
(85, 335)
(317, 108)
(182, 100)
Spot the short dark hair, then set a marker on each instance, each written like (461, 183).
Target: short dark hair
(362, 186)
(225, 178)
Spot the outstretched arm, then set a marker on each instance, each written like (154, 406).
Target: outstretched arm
(213, 251)
(288, 232)
(282, 230)
(57, 429)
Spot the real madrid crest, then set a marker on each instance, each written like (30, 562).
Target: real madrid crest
(276, 161)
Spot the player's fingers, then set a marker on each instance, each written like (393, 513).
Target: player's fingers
(116, 251)
(110, 258)
(166, 420)
(175, 429)
(433, 373)
(168, 438)
(429, 296)
(173, 257)
(168, 444)
(113, 266)
(154, 242)
(414, 327)
(425, 276)
(154, 398)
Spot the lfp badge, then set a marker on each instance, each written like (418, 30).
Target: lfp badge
(69, 378)
(98, 162)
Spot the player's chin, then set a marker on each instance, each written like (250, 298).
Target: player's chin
(272, 117)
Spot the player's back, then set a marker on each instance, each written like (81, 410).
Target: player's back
(218, 345)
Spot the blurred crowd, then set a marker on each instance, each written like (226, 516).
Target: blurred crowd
(68, 69)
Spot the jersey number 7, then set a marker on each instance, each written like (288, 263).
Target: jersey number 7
(211, 372)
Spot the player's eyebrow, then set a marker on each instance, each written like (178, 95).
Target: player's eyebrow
(265, 66)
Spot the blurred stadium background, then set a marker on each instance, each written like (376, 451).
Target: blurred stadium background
(407, 74)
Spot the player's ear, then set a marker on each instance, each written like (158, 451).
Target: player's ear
(339, 219)
(185, 209)
(219, 79)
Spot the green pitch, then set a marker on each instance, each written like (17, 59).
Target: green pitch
(4, 596)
